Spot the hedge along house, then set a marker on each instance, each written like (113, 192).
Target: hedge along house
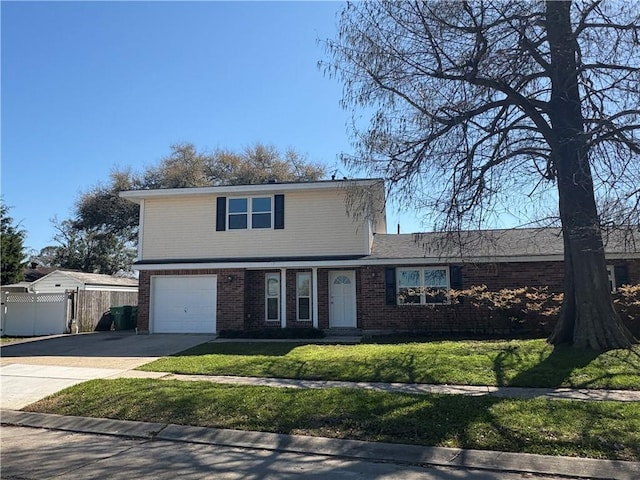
(316, 254)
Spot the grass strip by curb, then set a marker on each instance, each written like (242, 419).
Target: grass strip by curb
(549, 427)
(521, 363)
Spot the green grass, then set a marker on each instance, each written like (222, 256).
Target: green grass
(9, 339)
(524, 363)
(552, 427)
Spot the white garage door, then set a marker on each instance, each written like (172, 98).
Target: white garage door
(184, 304)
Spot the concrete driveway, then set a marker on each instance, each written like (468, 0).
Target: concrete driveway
(34, 369)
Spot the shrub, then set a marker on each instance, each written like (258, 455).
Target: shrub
(523, 311)
(627, 302)
(292, 333)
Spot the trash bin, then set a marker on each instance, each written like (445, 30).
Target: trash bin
(134, 317)
(121, 317)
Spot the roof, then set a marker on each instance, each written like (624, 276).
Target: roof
(246, 260)
(17, 287)
(33, 274)
(508, 245)
(521, 242)
(138, 195)
(97, 278)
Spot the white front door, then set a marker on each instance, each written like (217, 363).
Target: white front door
(342, 299)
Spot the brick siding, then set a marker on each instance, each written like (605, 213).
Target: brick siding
(241, 297)
(374, 314)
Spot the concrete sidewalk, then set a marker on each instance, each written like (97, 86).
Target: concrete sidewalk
(420, 388)
(372, 451)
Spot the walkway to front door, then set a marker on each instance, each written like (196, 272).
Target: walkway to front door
(342, 293)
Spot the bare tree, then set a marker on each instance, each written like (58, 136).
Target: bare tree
(475, 103)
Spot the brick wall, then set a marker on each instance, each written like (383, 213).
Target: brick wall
(241, 297)
(374, 314)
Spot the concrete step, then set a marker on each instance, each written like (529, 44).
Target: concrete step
(343, 332)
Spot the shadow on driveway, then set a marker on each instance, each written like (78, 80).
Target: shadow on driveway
(102, 344)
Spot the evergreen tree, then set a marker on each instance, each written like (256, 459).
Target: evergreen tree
(12, 250)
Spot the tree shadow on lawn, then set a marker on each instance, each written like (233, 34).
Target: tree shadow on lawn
(279, 349)
(402, 368)
(555, 369)
(488, 423)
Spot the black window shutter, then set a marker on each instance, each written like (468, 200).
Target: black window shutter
(622, 275)
(455, 272)
(278, 212)
(390, 286)
(221, 213)
(455, 279)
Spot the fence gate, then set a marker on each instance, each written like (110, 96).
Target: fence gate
(28, 314)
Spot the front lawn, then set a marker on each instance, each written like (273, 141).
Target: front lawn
(551, 427)
(524, 363)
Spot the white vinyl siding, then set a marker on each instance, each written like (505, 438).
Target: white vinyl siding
(316, 223)
(56, 282)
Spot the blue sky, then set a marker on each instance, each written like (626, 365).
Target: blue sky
(92, 86)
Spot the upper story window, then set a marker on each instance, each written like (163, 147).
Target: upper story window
(238, 213)
(252, 212)
(261, 212)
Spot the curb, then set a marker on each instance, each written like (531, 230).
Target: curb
(354, 449)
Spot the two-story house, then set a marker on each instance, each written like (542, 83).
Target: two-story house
(275, 254)
(317, 254)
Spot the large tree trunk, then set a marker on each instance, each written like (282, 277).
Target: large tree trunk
(587, 317)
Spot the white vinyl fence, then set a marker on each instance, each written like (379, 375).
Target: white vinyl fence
(28, 314)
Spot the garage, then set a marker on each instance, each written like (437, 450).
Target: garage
(183, 304)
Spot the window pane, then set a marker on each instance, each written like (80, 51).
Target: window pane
(304, 285)
(273, 286)
(261, 204)
(237, 205)
(272, 309)
(435, 278)
(409, 278)
(261, 220)
(342, 280)
(237, 221)
(435, 296)
(409, 295)
(303, 309)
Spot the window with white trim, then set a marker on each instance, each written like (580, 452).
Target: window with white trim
(303, 295)
(250, 213)
(272, 297)
(261, 212)
(611, 276)
(422, 286)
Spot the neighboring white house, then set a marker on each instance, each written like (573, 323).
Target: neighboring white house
(50, 304)
(63, 280)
